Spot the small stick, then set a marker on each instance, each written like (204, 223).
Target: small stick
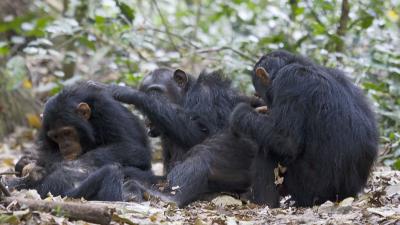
(9, 173)
(74, 210)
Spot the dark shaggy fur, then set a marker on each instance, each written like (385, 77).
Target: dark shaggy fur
(319, 126)
(112, 138)
(201, 154)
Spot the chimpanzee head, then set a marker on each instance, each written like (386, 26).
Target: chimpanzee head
(66, 127)
(168, 83)
(165, 83)
(266, 69)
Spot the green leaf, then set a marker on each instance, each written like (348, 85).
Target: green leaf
(127, 11)
(392, 136)
(4, 48)
(99, 20)
(132, 79)
(367, 21)
(298, 11)
(327, 6)
(86, 42)
(318, 28)
(396, 165)
(381, 87)
(9, 219)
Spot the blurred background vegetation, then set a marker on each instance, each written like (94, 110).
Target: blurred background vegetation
(46, 44)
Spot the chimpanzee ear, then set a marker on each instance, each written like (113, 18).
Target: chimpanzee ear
(263, 75)
(181, 78)
(84, 110)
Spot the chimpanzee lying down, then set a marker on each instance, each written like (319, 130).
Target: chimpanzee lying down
(86, 143)
(201, 155)
(319, 127)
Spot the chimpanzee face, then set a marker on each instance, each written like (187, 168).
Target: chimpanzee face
(60, 131)
(167, 83)
(68, 141)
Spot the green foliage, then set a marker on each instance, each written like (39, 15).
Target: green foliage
(121, 40)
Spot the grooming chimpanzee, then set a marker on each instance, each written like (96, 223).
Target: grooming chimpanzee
(201, 155)
(86, 138)
(319, 127)
(183, 110)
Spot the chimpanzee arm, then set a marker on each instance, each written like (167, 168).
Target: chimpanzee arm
(278, 134)
(124, 154)
(281, 130)
(244, 119)
(252, 100)
(170, 118)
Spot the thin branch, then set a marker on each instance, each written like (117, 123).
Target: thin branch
(198, 15)
(225, 48)
(314, 14)
(195, 29)
(9, 173)
(342, 28)
(166, 26)
(175, 35)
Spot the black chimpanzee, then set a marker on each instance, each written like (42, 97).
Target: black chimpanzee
(182, 109)
(319, 126)
(201, 155)
(86, 138)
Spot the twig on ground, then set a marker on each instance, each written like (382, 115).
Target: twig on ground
(93, 213)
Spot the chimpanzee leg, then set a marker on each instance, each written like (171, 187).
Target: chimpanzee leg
(105, 185)
(189, 179)
(264, 190)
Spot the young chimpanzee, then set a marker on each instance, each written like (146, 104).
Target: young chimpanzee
(319, 127)
(201, 154)
(86, 137)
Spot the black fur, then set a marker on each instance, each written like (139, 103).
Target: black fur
(201, 154)
(319, 126)
(113, 138)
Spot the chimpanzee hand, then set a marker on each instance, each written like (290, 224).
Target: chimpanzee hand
(22, 162)
(33, 173)
(256, 101)
(262, 109)
(120, 93)
(123, 93)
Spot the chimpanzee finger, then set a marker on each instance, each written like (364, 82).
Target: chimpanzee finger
(123, 93)
(256, 101)
(262, 109)
(97, 85)
(27, 169)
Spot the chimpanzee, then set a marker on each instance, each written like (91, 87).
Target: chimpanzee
(319, 127)
(86, 137)
(201, 155)
(182, 109)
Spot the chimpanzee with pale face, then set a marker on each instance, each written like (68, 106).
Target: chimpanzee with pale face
(86, 138)
(319, 126)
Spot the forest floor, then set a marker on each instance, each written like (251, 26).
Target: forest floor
(378, 204)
